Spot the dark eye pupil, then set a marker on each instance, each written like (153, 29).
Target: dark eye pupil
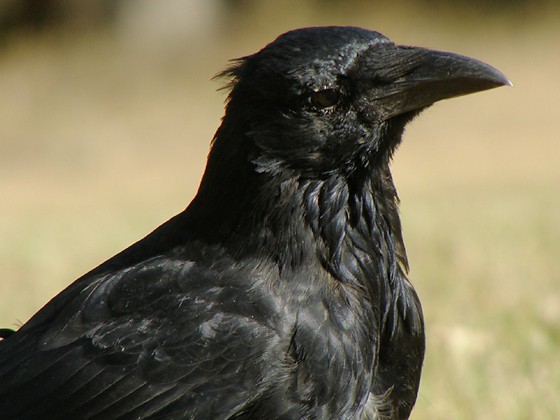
(325, 98)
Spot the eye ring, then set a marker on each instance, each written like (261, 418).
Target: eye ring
(325, 98)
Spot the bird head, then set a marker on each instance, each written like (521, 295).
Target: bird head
(326, 100)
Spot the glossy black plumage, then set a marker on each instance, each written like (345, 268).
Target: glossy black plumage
(281, 291)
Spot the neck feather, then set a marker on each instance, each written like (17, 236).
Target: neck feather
(349, 224)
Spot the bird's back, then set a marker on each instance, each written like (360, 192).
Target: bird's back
(190, 333)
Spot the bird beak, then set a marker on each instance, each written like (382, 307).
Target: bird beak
(415, 78)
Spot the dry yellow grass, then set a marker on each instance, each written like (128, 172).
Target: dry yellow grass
(99, 144)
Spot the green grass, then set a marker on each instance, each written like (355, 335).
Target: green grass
(99, 145)
(482, 265)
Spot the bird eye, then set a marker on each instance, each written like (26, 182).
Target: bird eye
(325, 98)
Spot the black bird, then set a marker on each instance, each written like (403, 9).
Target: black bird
(281, 291)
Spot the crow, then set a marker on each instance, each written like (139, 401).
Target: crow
(281, 291)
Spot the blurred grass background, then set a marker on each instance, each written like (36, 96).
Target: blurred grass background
(106, 115)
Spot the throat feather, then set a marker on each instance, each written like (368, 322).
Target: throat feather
(353, 228)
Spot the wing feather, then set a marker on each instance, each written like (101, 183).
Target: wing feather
(152, 339)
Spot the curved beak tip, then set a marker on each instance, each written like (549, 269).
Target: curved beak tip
(500, 78)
